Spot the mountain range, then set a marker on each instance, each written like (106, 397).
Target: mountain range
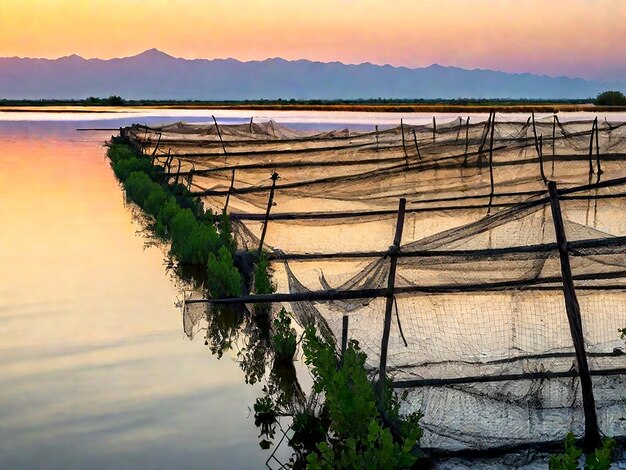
(156, 75)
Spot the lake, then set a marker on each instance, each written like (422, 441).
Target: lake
(95, 367)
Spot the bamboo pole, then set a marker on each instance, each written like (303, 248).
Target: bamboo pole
(592, 433)
(270, 202)
(391, 282)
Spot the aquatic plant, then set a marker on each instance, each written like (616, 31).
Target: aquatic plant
(570, 459)
(196, 238)
(284, 337)
(223, 278)
(360, 413)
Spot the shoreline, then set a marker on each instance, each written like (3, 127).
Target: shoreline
(374, 108)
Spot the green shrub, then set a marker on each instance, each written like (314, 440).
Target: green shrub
(611, 98)
(284, 337)
(263, 284)
(599, 459)
(223, 278)
(358, 436)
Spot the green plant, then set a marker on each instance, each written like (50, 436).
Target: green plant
(284, 337)
(223, 278)
(195, 237)
(265, 418)
(263, 283)
(599, 459)
(359, 435)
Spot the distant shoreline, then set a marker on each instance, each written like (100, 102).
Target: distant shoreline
(478, 107)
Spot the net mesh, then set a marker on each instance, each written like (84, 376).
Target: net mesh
(478, 281)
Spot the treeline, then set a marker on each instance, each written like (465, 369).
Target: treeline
(115, 100)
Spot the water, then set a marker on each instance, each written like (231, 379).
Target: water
(95, 370)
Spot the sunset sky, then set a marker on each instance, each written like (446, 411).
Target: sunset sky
(585, 38)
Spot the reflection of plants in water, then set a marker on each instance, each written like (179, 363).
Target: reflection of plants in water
(284, 338)
(223, 329)
(254, 356)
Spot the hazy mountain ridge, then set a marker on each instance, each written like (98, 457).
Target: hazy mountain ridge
(156, 75)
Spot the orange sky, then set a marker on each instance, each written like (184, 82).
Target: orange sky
(557, 37)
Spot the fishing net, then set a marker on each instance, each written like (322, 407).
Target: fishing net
(480, 339)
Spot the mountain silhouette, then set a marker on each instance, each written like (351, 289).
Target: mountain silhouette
(156, 75)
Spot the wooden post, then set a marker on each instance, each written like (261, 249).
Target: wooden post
(535, 134)
(403, 141)
(540, 154)
(219, 134)
(417, 149)
(190, 178)
(251, 118)
(157, 145)
(484, 141)
(592, 434)
(492, 185)
(599, 167)
(391, 282)
(270, 202)
(344, 335)
(466, 140)
(376, 127)
(230, 190)
(593, 128)
(553, 143)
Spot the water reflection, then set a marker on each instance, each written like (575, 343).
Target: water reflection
(94, 368)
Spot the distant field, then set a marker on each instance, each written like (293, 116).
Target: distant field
(379, 107)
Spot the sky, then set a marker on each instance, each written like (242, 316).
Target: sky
(580, 38)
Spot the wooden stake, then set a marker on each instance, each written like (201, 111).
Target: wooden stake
(466, 140)
(270, 202)
(403, 142)
(219, 134)
(592, 434)
(157, 145)
(417, 149)
(344, 335)
(593, 128)
(376, 127)
(541, 170)
(230, 190)
(598, 165)
(251, 118)
(391, 282)
(491, 180)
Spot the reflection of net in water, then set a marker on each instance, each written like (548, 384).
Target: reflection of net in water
(479, 325)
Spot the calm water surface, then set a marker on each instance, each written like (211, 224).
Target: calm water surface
(95, 370)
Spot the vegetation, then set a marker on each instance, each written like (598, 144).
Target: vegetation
(284, 338)
(263, 283)
(599, 459)
(358, 414)
(372, 104)
(611, 98)
(179, 217)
